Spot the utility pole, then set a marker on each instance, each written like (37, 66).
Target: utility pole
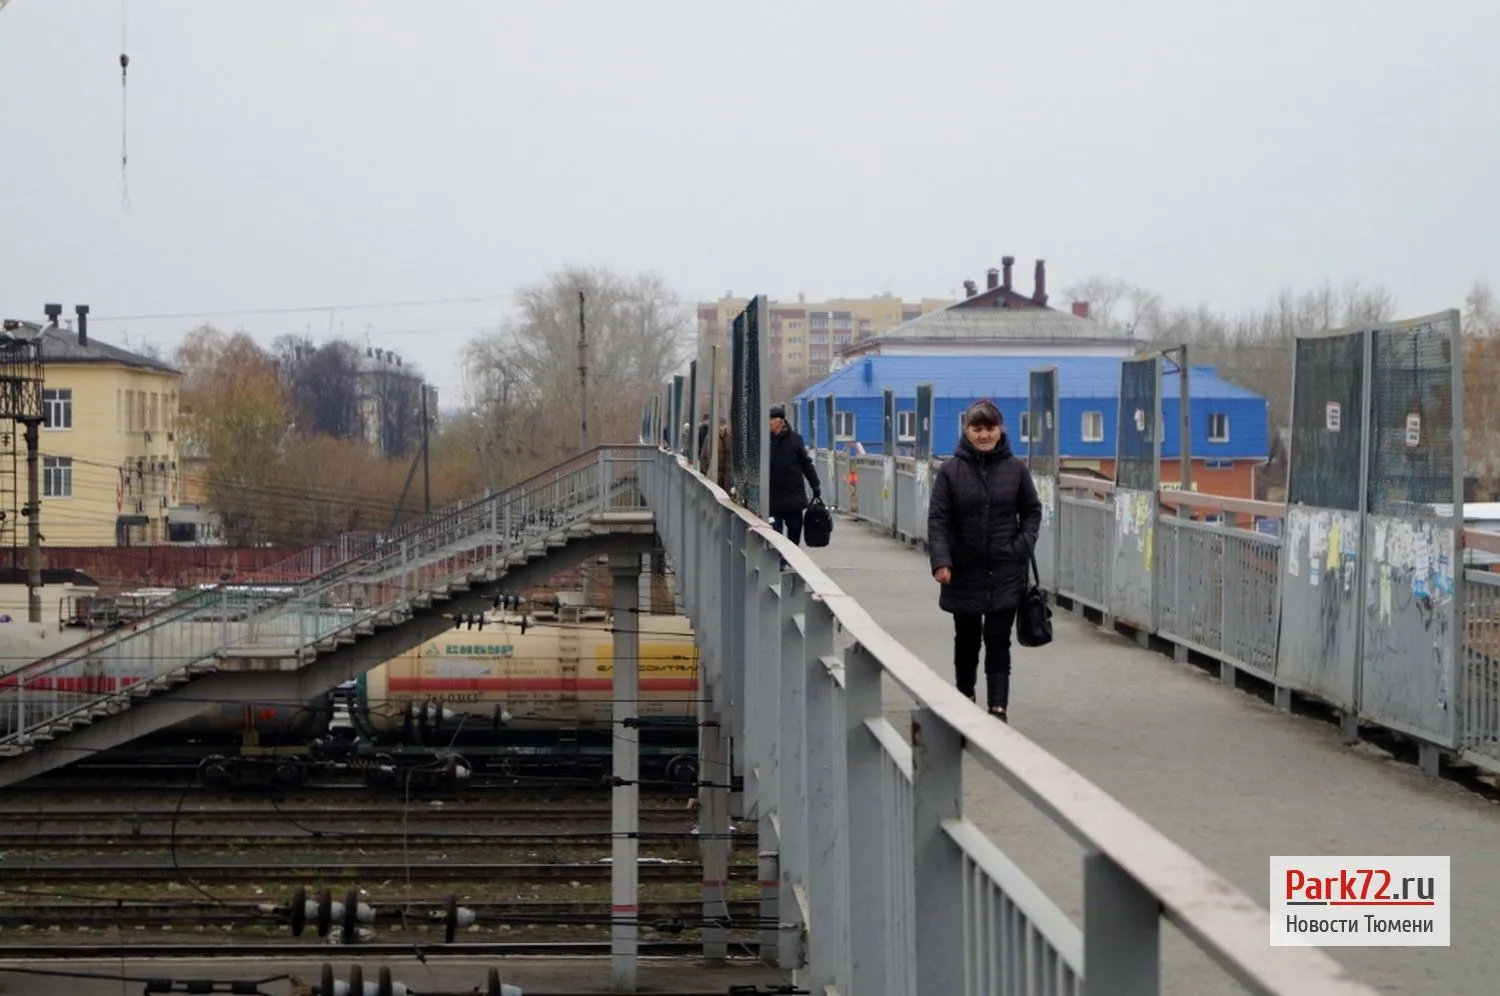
(426, 478)
(33, 423)
(1185, 433)
(583, 378)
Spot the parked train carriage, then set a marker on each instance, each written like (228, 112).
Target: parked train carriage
(556, 672)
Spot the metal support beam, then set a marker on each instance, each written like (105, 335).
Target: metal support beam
(713, 822)
(625, 571)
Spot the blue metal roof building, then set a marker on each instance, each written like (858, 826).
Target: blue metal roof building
(1229, 423)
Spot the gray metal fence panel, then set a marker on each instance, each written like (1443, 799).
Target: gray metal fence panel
(1319, 632)
(678, 414)
(695, 412)
(888, 461)
(1480, 706)
(1411, 651)
(748, 405)
(1132, 588)
(1043, 456)
(926, 417)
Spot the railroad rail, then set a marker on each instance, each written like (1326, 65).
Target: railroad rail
(306, 815)
(257, 871)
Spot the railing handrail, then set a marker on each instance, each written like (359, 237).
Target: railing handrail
(330, 577)
(1224, 922)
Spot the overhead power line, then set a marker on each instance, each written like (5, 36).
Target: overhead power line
(306, 310)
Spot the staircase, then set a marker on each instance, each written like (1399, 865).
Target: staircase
(264, 625)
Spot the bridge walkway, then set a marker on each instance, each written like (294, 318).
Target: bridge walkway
(1221, 772)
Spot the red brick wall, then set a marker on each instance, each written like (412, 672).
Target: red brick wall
(1236, 482)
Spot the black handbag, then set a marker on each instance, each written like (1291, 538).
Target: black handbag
(1034, 618)
(817, 524)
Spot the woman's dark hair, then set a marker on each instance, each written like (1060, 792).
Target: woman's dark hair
(983, 414)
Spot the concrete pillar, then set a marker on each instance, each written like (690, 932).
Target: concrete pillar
(625, 577)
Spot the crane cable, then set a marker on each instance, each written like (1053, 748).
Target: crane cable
(124, 114)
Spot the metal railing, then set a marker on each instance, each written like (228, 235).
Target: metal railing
(1208, 574)
(381, 586)
(885, 885)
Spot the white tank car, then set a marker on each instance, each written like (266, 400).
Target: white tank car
(558, 672)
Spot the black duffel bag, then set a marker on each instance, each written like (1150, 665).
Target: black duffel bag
(817, 524)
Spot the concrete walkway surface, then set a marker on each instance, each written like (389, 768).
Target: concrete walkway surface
(1216, 770)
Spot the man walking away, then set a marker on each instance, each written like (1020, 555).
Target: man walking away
(789, 464)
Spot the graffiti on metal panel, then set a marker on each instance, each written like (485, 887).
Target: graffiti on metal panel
(1046, 493)
(1133, 517)
(1416, 562)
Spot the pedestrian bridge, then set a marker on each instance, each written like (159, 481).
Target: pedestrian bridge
(1113, 840)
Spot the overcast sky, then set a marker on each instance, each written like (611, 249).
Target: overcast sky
(286, 154)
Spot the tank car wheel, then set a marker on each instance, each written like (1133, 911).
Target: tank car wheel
(325, 980)
(356, 980)
(683, 769)
(492, 985)
(325, 911)
(386, 986)
(289, 774)
(450, 917)
(216, 772)
(350, 933)
(299, 910)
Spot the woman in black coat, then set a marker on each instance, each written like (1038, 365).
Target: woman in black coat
(982, 522)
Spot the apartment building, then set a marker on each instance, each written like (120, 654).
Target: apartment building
(108, 447)
(804, 337)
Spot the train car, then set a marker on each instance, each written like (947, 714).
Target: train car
(543, 670)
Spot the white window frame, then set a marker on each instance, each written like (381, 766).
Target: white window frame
(1223, 435)
(1096, 436)
(843, 425)
(906, 426)
(1026, 427)
(57, 407)
(57, 477)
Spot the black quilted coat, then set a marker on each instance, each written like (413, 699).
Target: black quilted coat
(982, 522)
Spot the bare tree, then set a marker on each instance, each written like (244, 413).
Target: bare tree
(523, 380)
(322, 385)
(1116, 304)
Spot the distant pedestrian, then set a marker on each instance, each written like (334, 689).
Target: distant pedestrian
(789, 464)
(725, 479)
(982, 523)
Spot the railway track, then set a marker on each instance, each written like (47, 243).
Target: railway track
(42, 913)
(334, 840)
(424, 812)
(258, 871)
(275, 950)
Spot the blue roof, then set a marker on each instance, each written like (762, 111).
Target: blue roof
(1005, 376)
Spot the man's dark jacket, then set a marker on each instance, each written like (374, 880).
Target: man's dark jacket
(982, 522)
(788, 464)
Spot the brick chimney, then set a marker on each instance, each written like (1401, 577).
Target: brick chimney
(1007, 262)
(1040, 295)
(994, 280)
(970, 288)
(1081, 309)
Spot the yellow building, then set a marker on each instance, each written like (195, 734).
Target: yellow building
(804, 338)
(109, 447)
